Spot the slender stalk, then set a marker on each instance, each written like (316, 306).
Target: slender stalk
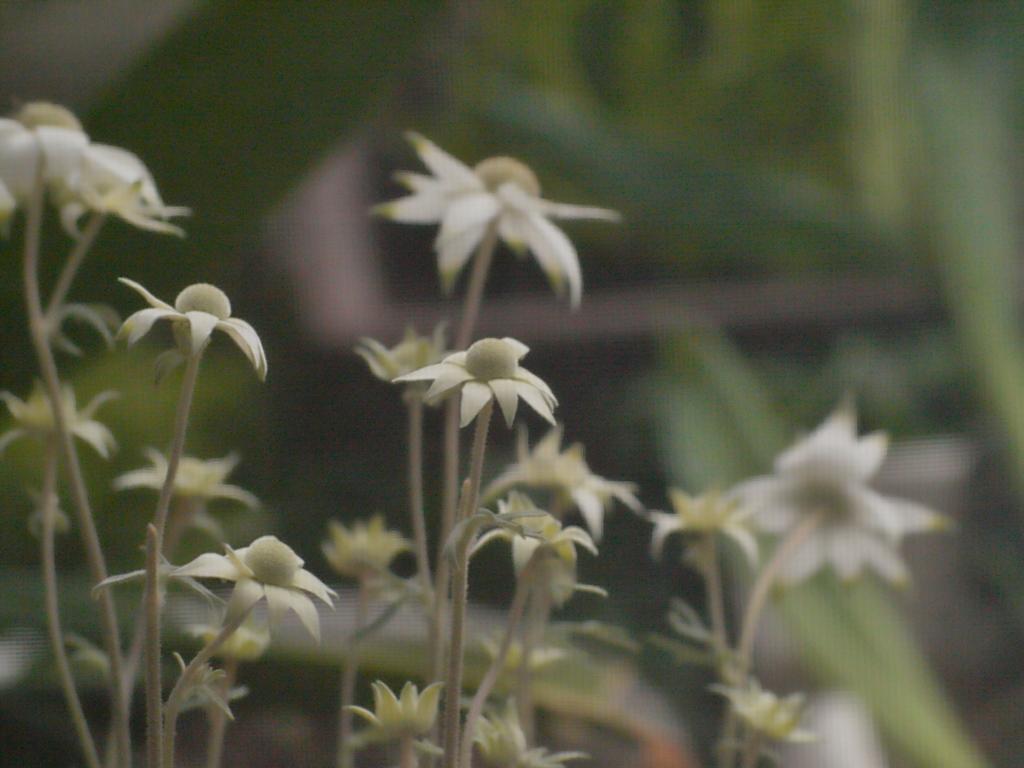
(155, 718)
(752, 751)
(759, 594)
(179, 693)
(712, 567)
(151, 618)
(414, 402)
(515, 614)
(751, 618)
(407, 756)
(218, 717)
(39, 329)
(74, 261)
(450, 486)
(460, 584)
(177, 447)
(475, 290)
(348, 678)
(537, 620)
(53, 625)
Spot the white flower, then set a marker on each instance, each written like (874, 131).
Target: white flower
(35, 417)
(410, 354)
(502, 743)
(766, 713)
(198, 311)
(547, 535)
(81, 176)
(410, 714)
(488, 370)
(566, 474)
(499, 192)
(267, 568)
(195, 478)
(827, 474)
(706, 514)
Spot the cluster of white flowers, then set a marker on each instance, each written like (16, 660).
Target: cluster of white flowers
(46, 143)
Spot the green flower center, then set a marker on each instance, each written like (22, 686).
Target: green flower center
(203, 297)
(495, 171)
(272, 562)
(491, 359)
(43, 113)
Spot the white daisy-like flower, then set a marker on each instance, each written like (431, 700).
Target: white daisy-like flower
(198, 311)
(365, 550)
(195, 479)
(410, 354)
(767, 714)
(502, 744)
(409, 715)
(706, 514)
(500, 193)
(827, 474)
(35, 417)
(546, 534)
(566, 474)
(80, 175)
(267, 568)
(488, 370)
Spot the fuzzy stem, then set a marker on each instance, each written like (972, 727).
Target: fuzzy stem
(752, 751)
(540, 613)
(414, 401)
(524, 588)
(151, 618)
(181, 689)
(348, 678)
(712, 567)
(39, 329)
(407, 756)
(74, 261)
(460, 585)
(154, 556)
(751, 618)
(53, 626)
(450, 485)
(218, 717)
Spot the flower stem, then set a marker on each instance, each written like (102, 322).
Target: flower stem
(407, 757)
(74, 261)
(536, 621)
(476, 707)
(348, 679)
(179, 693)
(712, 567)
(53, 626)
(155, 718)
(414, 401)
(218, 717)
(450, 486)
(39, 329)
(751, 619)
(151, 618)
(460, 584)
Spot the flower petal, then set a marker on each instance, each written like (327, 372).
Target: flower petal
(247, 593)
(245, 336)
(138, 324)
(303, 579)
(449, 170)
(507, 395)
(209, 566)
(280, 599)
(557, 257)
(474, 397)
(664, 524)
(424, 207)
(201, 326)
(536, 400)
(152, 300)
